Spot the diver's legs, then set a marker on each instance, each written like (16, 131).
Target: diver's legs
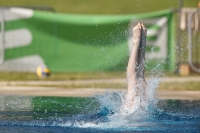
(135, 68)
(141, 53)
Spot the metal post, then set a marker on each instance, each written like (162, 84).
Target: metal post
(178, 37)
(190, 41)
(2, 37)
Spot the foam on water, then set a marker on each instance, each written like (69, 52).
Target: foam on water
(113, 102)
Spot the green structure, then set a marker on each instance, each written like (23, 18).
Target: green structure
(68, 42)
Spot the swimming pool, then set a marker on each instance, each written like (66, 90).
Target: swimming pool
(79, 114)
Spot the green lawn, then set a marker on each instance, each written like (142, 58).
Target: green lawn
(102, 6)
(24, 76)
(59, 76)
(189, 86)
(14, 76)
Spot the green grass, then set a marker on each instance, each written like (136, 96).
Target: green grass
(57, 76)
(24, 76)
(190, 86)
(5, 76)
(102, 6)
(13, 76)
(89, 85)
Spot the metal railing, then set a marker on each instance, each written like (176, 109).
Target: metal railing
(190, 22)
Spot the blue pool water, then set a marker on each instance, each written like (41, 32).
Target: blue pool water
(75, 114)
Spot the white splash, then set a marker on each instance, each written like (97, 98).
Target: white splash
(113, 102)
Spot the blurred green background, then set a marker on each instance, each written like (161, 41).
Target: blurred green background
(102, 6)
(98, 7)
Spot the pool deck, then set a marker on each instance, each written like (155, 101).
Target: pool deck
(31, 88)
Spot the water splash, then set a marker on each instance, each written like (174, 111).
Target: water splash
(114, 102)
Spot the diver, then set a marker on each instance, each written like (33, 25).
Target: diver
(135, 69)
